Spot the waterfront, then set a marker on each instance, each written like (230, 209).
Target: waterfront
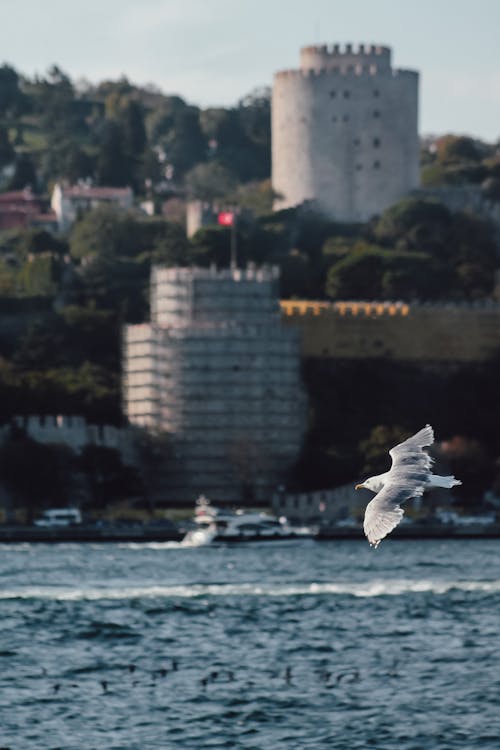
(290, 645)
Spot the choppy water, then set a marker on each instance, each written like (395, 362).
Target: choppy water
(298, 645)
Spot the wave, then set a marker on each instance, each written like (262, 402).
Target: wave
(184, 591)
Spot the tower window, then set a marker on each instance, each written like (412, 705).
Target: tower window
(376, 142)
(376, 93)
(334, 118)
(347, 94)
(356, 142)
(376, 113)
(359, 167)
(346, 118)
(376, 165)
(333, 94)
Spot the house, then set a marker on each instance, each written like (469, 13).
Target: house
(22, 208)
(70, 202)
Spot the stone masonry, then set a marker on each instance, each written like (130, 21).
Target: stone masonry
(345, 132)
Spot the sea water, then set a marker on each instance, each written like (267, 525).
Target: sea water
(276, 645)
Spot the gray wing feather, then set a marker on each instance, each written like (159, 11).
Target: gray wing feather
(407, 478)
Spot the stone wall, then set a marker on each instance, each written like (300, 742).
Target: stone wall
(75, 432)
(446, 333)
(345, 132)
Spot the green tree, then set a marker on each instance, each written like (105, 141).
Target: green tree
(134, 131)
(452, 149)
(24, 174)
(375, 448)
(108, 478)
(415, 224)
(48, 480)
(7, 153)
(114, 165)
(210, 181)
(12, 100)
(105, 231)
(358, 276)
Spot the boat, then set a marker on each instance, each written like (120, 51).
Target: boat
(212, 524)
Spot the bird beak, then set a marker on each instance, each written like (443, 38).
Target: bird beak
(359, 487)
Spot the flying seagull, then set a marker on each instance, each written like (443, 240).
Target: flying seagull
(409, 476)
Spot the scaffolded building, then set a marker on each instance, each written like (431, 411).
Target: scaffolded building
(218, 372)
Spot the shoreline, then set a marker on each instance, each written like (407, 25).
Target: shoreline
(151, 533)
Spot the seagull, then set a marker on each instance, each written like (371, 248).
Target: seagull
(409, 476)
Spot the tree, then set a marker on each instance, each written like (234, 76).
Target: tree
(153, 451)
(7, 153)
(375, 448)
(134, 131)
(452, 149)
(105, 231)
(106, 474)
(415, 224)
(184, 143)
(230, 146)
(358, 276)
(48, 480)
(24, 174)
(171, 246)
(472, 462)
(12, 100)
(39, 242)
(210, 181)
(114, 164)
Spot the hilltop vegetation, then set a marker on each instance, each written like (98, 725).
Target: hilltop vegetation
(119, 134)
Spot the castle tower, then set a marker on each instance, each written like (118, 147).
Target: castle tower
(218, 371)
(345, 132)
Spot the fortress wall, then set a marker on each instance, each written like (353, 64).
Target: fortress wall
(397, 331)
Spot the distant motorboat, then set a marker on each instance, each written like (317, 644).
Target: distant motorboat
(214, 524)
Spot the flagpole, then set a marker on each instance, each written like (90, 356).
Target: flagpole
(234, 258)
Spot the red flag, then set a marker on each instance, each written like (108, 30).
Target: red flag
(226, 218)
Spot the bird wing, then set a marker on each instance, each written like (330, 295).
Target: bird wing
(409, 453)
(383, 513)
(406, 479)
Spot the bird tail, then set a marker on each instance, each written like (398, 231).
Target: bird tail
(446, 482)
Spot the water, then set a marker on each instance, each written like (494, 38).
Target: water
(287, 645)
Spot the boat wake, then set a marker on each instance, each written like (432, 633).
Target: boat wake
(372, 589)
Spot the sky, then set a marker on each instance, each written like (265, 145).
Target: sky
(213, 52)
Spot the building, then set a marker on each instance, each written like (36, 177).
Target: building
(199, 214)
(217, 370)
(345, 132)
(70, 202)
(22, 208)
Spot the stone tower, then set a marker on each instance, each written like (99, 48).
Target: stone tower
(219, 372)
(345, 132)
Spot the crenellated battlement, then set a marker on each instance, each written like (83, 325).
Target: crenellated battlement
(328, 56)
(252, 272)
(339, 50)
(348, 307)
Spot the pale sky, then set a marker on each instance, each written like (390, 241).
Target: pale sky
(213, 52)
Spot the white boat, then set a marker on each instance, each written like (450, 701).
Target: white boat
(59, 517)
(222, 525)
